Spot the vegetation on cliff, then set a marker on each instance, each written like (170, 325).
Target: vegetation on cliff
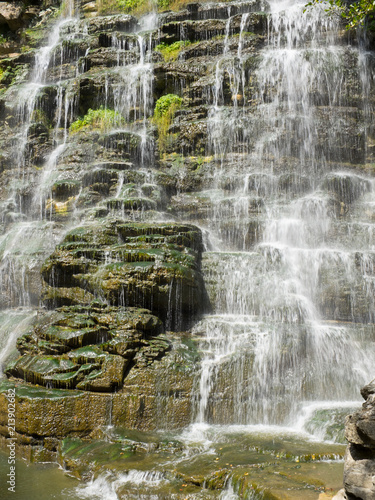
(355, 14)
(102, 119)
(139, 6)
(165, 109)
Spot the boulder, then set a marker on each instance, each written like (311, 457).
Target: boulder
(156, 266)
(156, 394)
(11, 14)
(359, 468)
(359, 473)
(88, 347)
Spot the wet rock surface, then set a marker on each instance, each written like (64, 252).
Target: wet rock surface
(110, 201)
(359, 468)
(87, 348)
(156, 266)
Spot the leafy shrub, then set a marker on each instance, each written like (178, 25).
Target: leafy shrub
(170, 52)
(358, 13)
(165, 109)
(142, 6)
(133, 6)
(165, 103)
(101, 118)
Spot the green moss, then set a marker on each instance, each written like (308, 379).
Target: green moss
(93, 452)
(102, 119)
(10, 73)
(86, 354)
(80, 337)
(63, 377)
(28, 391)
(133, 6)
(131, 204)
(166, 102)
(186, 356)
(39, 116)
(170, 52)
(244, 34)
(165, 109)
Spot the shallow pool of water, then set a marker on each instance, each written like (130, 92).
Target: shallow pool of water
(202, 462)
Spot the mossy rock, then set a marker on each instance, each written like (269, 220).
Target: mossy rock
(108, 378)
(126, 143)
(64, 189)
(151, 265)
(87, 354)
(87, 347)
(65, 296)
(35, 369)
(77, 337)
(132, 204)
(120, 22)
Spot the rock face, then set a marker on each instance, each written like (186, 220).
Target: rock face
(87, 348)
(359, 472)
(121, 278)
(156, 266)
(16, 14)
(87, 345)
(107, 208)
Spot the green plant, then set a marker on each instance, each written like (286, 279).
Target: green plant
(141, 6)
(170, 52)
(132, 6)
(164, 4)
(101, 118)
(165, 104)
(359, 13)
(165, 109)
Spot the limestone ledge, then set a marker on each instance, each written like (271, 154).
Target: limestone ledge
(152, 397)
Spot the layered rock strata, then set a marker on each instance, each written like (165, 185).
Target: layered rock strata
(359, 471)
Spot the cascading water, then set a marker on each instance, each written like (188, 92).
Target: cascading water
(275, 340)
(27, 221)
(130, 93)
(290, 231)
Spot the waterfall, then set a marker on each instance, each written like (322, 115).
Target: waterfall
(272, 153)
(288, 328)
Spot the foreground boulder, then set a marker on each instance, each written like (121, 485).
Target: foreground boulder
(157, 392)
(359, 471)
(87, 347)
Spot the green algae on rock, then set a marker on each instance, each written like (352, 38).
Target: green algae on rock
(87, 347)
(156, 266)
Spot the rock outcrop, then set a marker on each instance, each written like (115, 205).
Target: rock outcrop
(359, 471)
(156, 266)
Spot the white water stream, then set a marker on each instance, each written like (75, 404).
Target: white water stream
(280, 339)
